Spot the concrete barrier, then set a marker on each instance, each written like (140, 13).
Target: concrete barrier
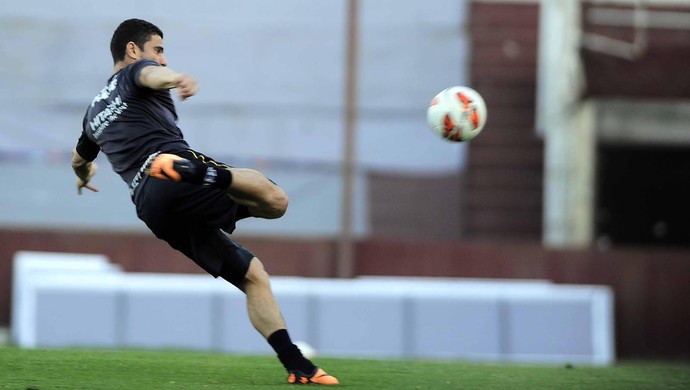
(30, 267)
(63, 302)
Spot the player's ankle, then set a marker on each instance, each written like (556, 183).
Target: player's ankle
(198, 173)
(218, 177)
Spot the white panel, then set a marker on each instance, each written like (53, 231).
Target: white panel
(169, 311)
(411, 51)
(266, 56)
(53, 201)
(463, 328)
(168, 319)
(90, 319)
(30, 267)
(491, 320)
(271, 74)
(353, 324)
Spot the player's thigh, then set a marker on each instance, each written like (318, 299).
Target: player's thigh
(164, 203)
(250, 183)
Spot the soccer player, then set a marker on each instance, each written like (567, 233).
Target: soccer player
(185, 197)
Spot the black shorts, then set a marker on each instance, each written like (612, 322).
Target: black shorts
(193, 219)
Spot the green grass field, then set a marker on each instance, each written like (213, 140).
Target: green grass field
(132, 370)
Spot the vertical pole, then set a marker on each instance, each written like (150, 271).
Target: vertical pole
(345, 261)
(567, 124)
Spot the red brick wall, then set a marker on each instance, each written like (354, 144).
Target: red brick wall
(504, 173)
(661, 71)
(416, 206)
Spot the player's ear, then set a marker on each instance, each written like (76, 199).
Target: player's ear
(132, 51)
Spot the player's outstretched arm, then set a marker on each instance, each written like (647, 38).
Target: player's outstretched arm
(84, 170)
(162, 78)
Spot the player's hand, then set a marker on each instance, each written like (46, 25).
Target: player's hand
(84, 182)
(88, 186)
(186, 86)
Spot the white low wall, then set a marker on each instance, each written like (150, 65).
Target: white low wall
(81, 301)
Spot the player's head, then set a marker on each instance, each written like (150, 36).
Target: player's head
(135, 39)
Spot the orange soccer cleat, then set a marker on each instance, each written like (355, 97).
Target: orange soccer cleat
(170, 166)
(319, 377)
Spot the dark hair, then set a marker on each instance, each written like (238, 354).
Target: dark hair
(131, 30)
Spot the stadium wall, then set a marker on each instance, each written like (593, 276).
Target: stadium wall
(649, 284)
(502, 197)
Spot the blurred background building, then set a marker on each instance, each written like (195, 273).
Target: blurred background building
(580, 176)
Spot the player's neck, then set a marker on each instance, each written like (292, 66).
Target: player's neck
(121, 64)
(118, 66)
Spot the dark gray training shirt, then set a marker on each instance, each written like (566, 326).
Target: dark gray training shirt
(128, 122)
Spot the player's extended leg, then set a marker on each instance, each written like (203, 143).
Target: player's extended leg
(248, 187)
(265, 315)
(262, 307)
(177, 213)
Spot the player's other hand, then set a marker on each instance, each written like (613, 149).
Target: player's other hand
(84, 182)
(186, 86)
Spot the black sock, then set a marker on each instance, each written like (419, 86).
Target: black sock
(206, 175)
(220, 178)
(288, 353)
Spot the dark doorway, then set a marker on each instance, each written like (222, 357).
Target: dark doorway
(643, 195)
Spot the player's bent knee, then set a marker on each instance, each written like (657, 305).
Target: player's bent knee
(272, 204)
(277, 204)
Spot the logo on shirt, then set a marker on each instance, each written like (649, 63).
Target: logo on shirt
(110, 113)
(105, 92)
(107, 116)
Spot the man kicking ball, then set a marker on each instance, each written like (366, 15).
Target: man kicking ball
(185, 197)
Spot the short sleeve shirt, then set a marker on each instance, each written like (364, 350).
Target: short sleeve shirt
(128, 122)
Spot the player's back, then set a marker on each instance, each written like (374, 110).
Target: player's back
(129, 122)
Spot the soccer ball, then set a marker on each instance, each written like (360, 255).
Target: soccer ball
(457, 114)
